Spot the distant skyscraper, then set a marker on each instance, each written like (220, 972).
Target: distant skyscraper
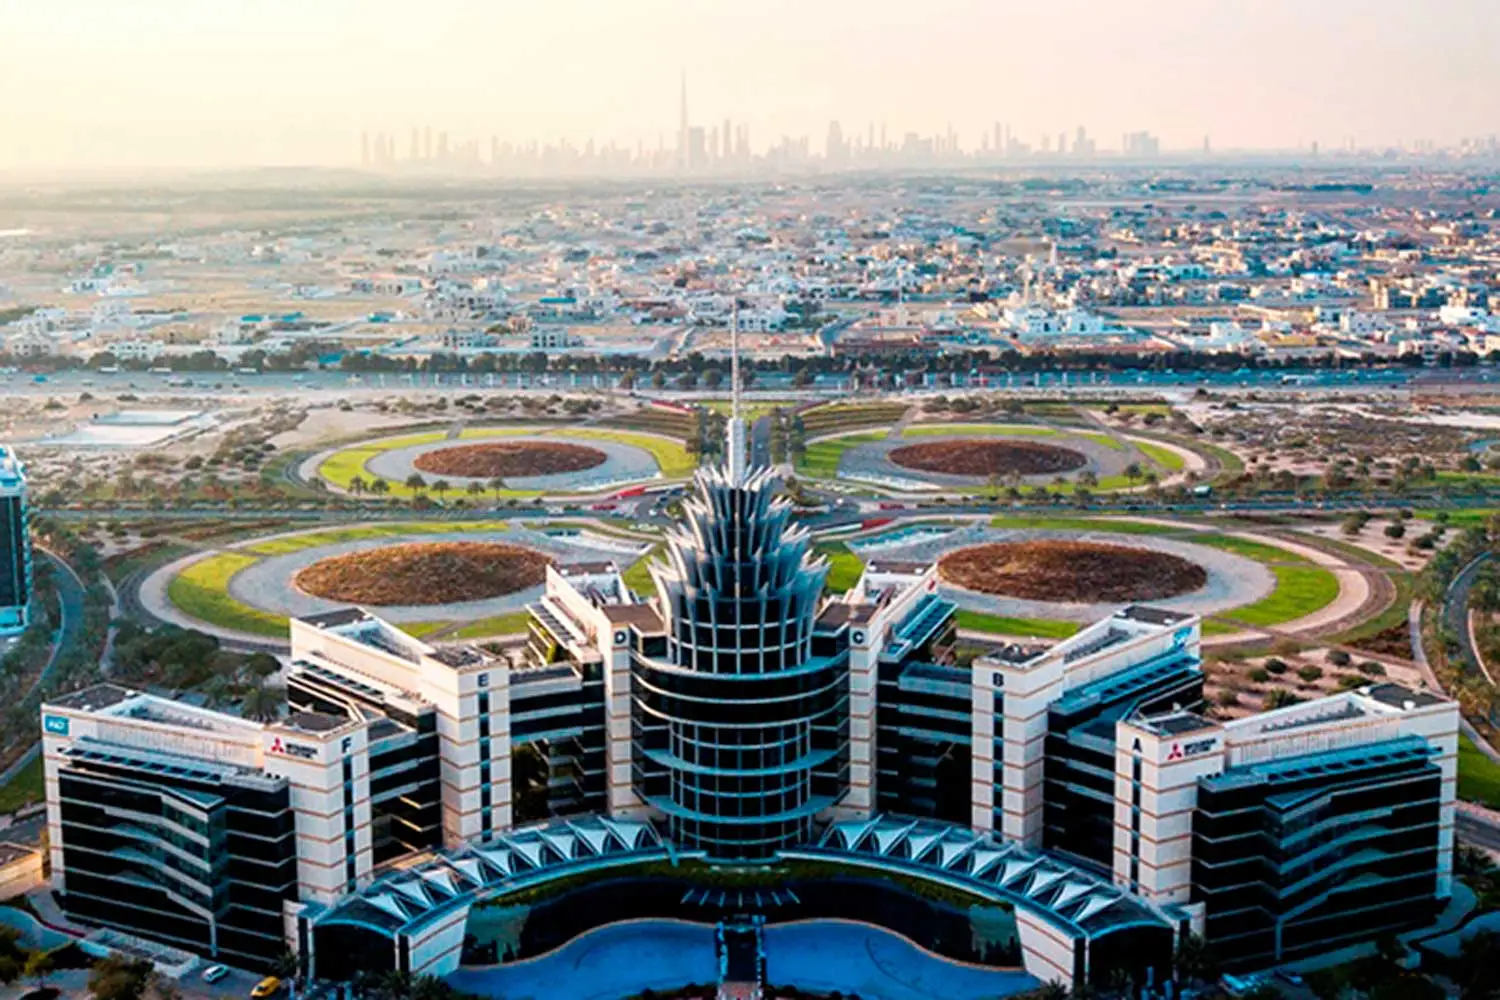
(364, 149)
(15, 545)
(684, 155)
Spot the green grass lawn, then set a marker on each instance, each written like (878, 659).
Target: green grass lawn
(1119, 527)
(1259, 551)
(979, 430)
(24, 788)
(202, 591)
(671, 455)
(844, 567)
(1463, 517)
(1478, 776)
(483, 628)
(1163, 456)
(1300, 590)
(1103, 440)
(637, 577)
(336, 536)
(1040, 628)
(821, 459)
(750, 411)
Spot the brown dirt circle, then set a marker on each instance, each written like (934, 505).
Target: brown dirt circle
(509, 458)
(419, 573)
(980, 457)
(1071, 572)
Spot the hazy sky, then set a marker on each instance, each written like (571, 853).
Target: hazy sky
(89, 83)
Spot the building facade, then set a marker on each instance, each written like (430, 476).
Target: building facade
(15, 545)
(742, 718)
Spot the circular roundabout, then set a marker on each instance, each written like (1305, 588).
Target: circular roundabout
(974, 456)
(1072, 572)
(424, 573)
(514, 462)
(985, 457)
(460, 579)
(509, 459)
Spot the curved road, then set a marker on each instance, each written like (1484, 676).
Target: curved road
(1456, 612)
(70, 611)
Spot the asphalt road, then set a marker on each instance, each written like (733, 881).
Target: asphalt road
(1476, 832)
(1456, 610)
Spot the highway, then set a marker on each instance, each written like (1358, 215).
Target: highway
(833, 384)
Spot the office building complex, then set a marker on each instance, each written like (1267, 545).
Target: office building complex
(741, 718)
(15, 545)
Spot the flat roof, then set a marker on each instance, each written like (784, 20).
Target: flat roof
(1177, 724)
(92, 699)
(643, 616)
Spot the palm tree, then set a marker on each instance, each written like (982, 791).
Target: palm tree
(497, 484)
(416, 483)
(379, 487)
(440, 487)
(1133, 471)
(356, 484)
(475, 489)
(262, 703)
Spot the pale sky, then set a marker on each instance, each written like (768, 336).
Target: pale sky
(171, 83)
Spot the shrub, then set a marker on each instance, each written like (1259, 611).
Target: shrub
(1339, 658)
(1228, 698)
(1373, 668)
(1260, 675)
(1395, 530)
(1281, 698)
(1310, 673)
(1348, 682)
(1275, 666)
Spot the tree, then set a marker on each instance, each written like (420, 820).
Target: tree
(415, 482)
(379, 487)
(357, 485)
(497, 486)
(1193, 960)
(440, 487)
(262, 665)
(475, 489)
(262, 703)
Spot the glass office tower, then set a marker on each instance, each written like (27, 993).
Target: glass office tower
(742, 731)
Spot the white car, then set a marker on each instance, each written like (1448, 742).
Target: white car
(214, 973)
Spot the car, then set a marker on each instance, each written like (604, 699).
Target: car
(1289, 977)
(267, 987)
(214, 973)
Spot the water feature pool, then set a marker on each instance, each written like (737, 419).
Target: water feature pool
(623, 959)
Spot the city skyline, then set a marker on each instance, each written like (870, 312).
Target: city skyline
(175, 84)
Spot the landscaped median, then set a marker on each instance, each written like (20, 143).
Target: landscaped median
(201, 591)
(1302, 586)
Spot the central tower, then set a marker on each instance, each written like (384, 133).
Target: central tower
(741, 731)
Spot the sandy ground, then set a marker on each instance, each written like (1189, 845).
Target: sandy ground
(333, 424)
(1372, 538)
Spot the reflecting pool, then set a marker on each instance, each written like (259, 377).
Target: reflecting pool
(623, 959)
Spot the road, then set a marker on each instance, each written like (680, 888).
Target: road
(760, 442)
(1396, 378)
(1476, 832)
(70, 604)
(69, 631)
(1456, 612)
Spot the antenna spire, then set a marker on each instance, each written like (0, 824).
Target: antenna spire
(736, 442)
